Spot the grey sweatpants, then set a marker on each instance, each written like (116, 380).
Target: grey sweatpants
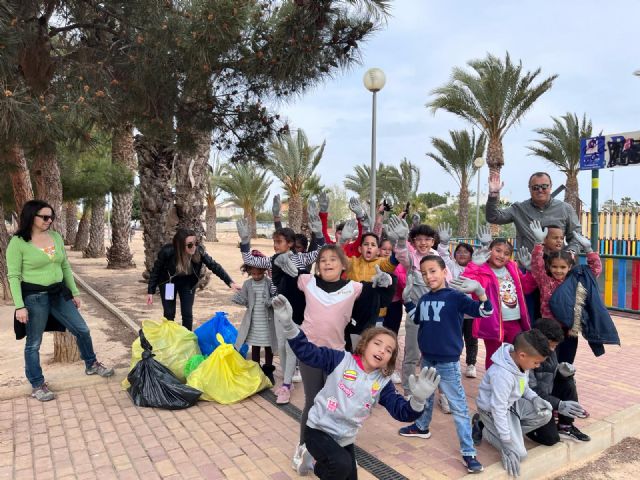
(312, 380)
(522, 417)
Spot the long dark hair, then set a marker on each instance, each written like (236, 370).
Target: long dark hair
(27, 216)
(183, 261)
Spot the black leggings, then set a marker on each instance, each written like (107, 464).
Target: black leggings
(187, 296)
(268, 354)
(312, 381)
(470, 342)
(567, 349)
(393, 318)
(333, 462)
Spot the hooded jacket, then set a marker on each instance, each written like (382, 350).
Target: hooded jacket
(503, 385)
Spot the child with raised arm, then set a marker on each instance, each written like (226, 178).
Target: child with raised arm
(355, 383)
(501, 418)
(439, 314)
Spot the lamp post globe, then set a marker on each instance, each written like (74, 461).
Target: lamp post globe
(478, 162)
(374, 79)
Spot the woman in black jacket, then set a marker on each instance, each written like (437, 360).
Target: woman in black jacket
(177, 271)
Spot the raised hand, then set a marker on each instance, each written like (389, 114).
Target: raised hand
(275, 208)
(244, 231)
(381, 279)
(466, 285)
(423, 387)
(495, 184)
(524, 257)
(480, 256)
(415, 220)
(314, 218)
(283, 315)
(398, 228)
(539, 233)
(484, 235)
(323, 202)
(444, 232)
(285, 262)
(356, 207)
(584, 242)
(349, 231)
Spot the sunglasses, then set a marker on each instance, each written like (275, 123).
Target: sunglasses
(541, 187)
(46, 218)
(191, 244)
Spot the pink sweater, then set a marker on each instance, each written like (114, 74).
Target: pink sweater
(327, 314)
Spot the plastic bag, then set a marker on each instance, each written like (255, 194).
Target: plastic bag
(192, 364)
(207, 332)
(173, 345)
(153, 385)
(226, 377)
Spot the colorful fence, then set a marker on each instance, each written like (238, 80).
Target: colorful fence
(620, 282)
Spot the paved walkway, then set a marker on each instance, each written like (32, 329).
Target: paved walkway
(93, 431)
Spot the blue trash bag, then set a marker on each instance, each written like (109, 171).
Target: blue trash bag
(219, 323)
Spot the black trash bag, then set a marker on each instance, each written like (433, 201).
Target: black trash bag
(154, 385)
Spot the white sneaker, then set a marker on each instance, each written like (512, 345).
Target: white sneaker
(471, 371)
(444, 403)
(297, 378)
(302, 461)
(395, 378)
(296, 461)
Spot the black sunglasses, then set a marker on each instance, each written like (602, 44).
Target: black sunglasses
(46, 218)
(191, 244)
(542, 186)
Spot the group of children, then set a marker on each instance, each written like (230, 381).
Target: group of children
(341, 323)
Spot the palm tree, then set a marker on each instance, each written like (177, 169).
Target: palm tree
(213, 191)
(248, 186)
(388, 181)
(292, 161)
(494, 97)
(560, 146)
(456, 158)
(409, 176)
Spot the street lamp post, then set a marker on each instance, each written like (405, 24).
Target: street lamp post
(478, 163)
(374, 79)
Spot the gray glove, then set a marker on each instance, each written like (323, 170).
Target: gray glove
(510, 461)
(480, 256)
(540, 404)
(484, 235)
(323, 202)
(356, 207)
(566, 369)
(571, 409)
(365, 220)
(466, 285)
(423, 387)
(381, 279)
(584, 242)
(275, 208)
(283, 315)
(539, 233)
(444, 232)
(244, 232)
(349, 231)
(285, 262)
(314, 219)
(412, 292)
(524, 257)
(415, 220)
(398, 228)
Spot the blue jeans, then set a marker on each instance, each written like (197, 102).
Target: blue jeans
(451, 386)
(39, 305)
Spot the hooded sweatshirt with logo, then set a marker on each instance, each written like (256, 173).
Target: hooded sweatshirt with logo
(502, 385)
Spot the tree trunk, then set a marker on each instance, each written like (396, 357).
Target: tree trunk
(82, 235)
(155, 163)
(4, 240)
(118, 254)
(463, 211)
(251, 215)
(95, 248)
(65, 348)
(295, 213)
(46, 177)
(71, 221)
(20, 178)
(211, 219)
(571, 194)
(495, 162)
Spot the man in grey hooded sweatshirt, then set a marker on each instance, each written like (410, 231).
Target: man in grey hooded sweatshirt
(501, 419)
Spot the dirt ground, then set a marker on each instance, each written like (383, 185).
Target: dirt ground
(620, 462)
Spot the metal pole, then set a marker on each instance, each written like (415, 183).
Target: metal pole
(478, 204)
(595, 183)
(372, 198)
(612, 178)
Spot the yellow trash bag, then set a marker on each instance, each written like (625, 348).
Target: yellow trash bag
(225, 377)
(172, 344)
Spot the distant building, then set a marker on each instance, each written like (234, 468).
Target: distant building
(229, 209)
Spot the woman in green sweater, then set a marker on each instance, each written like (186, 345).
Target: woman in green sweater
(41, 283)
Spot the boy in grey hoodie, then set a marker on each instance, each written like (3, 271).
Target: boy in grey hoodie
(501, 419)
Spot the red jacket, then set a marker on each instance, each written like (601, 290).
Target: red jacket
(350, 249)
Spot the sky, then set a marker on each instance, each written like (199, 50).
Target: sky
(589, 44)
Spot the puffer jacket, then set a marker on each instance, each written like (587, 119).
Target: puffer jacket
(541, 379)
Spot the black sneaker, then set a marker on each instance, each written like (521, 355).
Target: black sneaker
(472, 464)
(413, 431)
(476, 429)
(571, 432)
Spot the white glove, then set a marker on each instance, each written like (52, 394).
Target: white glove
(275, 208)
(283, 314)
(356, 207)
(285, 262)
(398, 228)
(244, 232)
(524, 257)
(466, 285)
(510, 460)
(444, 232)
(423, 387)
(571, 409)
(480, 256)
(584, 242)
(539, 233)
(566, 369)
(323, 202)
(484, 235)
(381, 279)
(349, 231)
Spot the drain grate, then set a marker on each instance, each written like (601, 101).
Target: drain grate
(367, 461)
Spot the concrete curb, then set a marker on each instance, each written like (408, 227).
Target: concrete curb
(544, 462)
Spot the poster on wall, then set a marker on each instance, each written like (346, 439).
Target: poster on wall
(610, 151)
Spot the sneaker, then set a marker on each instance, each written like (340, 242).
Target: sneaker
(99, 369)
(472, 464)
(395, 378)
(296, 461)
(42, 393)
(302, 461)
(284, 395)
(413, 431)
(444, 403)
(571, 432)
(297, 378)
(471, 371)
(476, 429)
